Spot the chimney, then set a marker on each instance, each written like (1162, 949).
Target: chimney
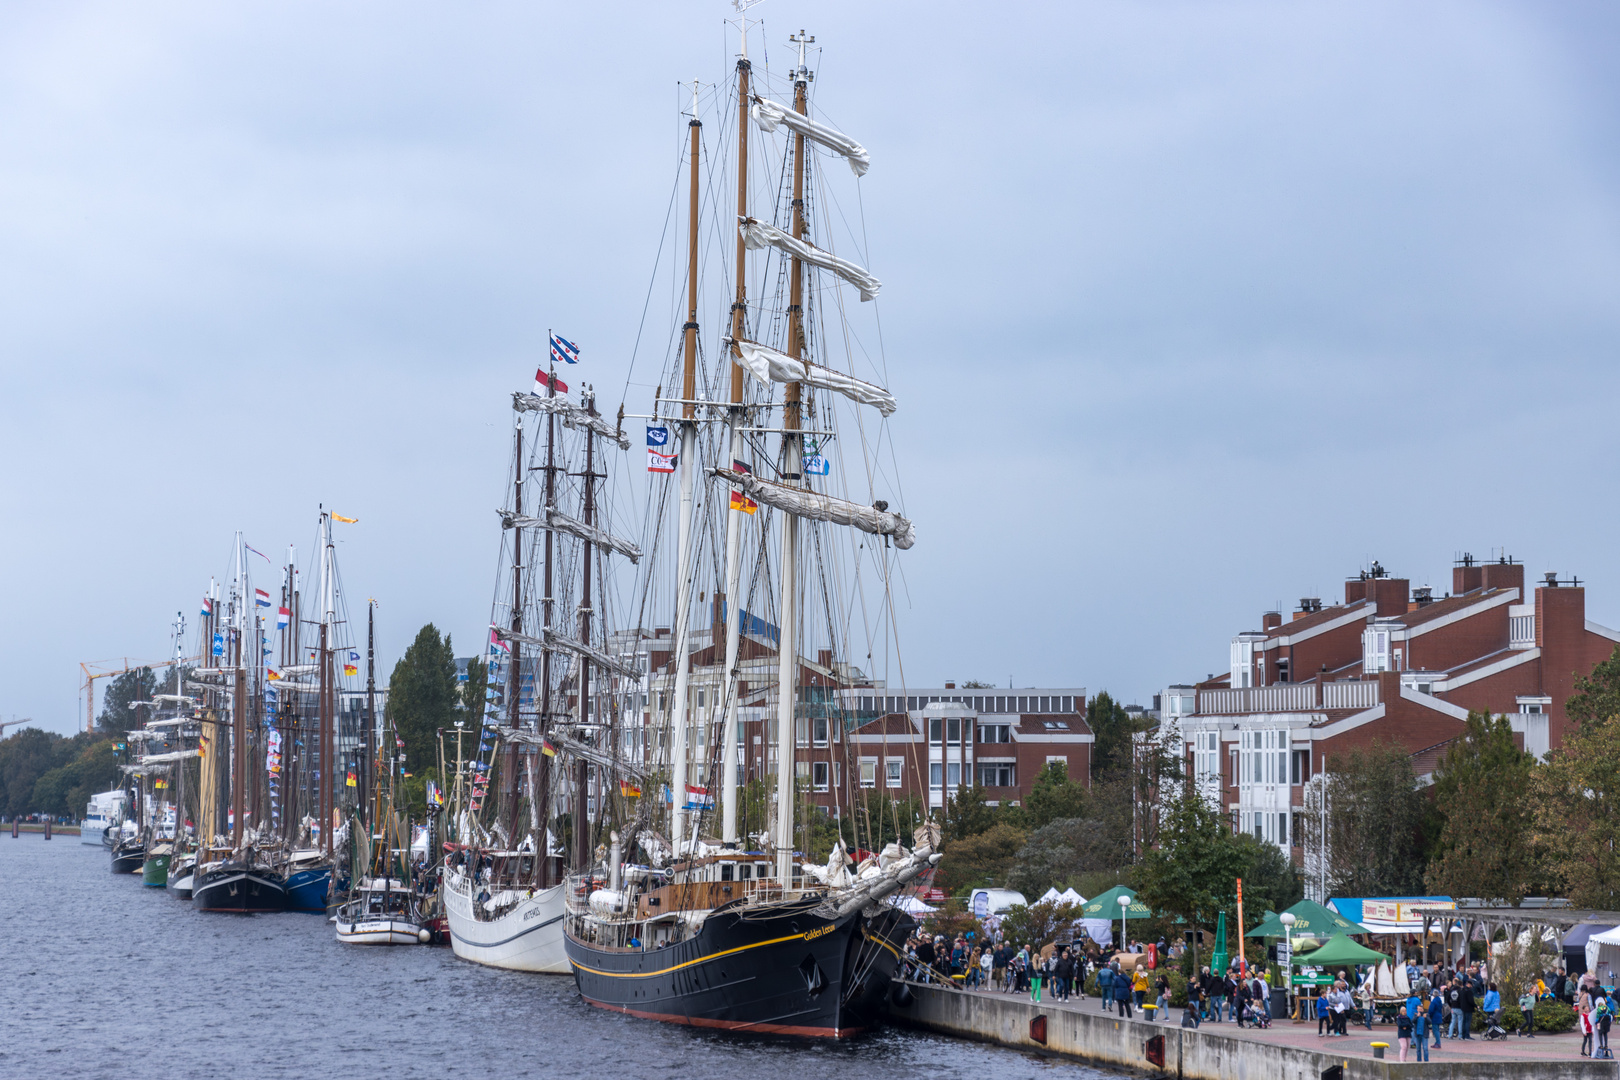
(1355, 589)
(1389, 593)
(661, 631)
(824, 657)
(1465, 576)
(1503, 574)
(950, 684)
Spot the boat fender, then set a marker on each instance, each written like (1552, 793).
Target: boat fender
(424, 936)
(901, 996)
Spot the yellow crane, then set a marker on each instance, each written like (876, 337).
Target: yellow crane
(104, 669)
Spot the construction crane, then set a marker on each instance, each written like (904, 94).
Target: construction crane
(14, 723)
(104, 669)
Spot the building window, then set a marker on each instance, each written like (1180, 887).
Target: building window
(868, 772)
(818, 772)
(936, 775)
(1282, 829)
(1300, 769)
(801, 731)
(801, 773)
(700, 699)
(953, 731)
(892, 772)
(995, 733)
(936, 728)
(1060, 759)
(1375, 650)
(820, 727)
(953, 775)
(996, 774)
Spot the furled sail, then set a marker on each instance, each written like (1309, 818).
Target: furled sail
(521, 639)
(768, 365)
(591, 653)
(511, 520)
(563, 523)
(768, 114)
(757, 234)
(178, 697)
(571, 415)
(575, 748)
(169, 758)
(297, 687)
(802, 502)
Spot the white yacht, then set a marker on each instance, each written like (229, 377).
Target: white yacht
(106, 811)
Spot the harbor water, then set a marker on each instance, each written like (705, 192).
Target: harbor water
(105, 977)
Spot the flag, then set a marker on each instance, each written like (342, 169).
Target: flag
(160, 783)
(272, 674)
(698, 798)
(542, 381)
(208, 607)
(349, 520)
(564, 350)
(657, 435)
(350, 669)
(283, 617)
(495, 642)
(629, 790)
(219, 644)
(257, 552)
(739, 501)
(816, 465)
(657, 462)
(351, 781)
(261, 598)
(433, 794)
(202, 746)
(354, 656)
(547, 749)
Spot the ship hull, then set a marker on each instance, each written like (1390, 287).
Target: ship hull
(241, 891)
(378, 932)
(528, 937)
(780, 971)
(155, 871)
(128, 858)
(307, 889)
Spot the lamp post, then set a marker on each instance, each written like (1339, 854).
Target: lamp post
(1124, 910)
(1286, 957)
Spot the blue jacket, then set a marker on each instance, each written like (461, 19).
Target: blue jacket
(1436, 1010)
(1493, 1000)
(1105, 983)
(1412, 1004)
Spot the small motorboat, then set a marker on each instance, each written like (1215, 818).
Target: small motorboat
(383, 912)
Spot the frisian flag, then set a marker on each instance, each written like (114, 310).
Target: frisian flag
(261, 598)
(564, 350)
(351, 666)
(542, 381)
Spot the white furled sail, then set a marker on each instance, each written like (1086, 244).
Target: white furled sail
(571, 415)
(768, 115)
(521, 639)
(591, 653)
(298, 687)
(801, 502)
(768, 365)
(757, 234)
(574, 527)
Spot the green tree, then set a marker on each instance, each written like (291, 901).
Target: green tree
(1374, 822)
(116, 715)
(979, 861)
(423, 695)
(975, 684)
(472, 691)
(27, 757)
(1193, 870)
(1271, 881)
(1054, 797)
(1039, 925)
(1486, 846)
(1575, 799)
(1597, 696)
(967, 813)
(1113, 729)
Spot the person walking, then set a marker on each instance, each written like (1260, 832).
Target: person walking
(1403, 1032)
(1036, 973)
(1122, 994)
(987, 962)
(1162, 985)
(1583, 1014)
(1527, 1009)
(1061, 977)
(1492, 1005)
(1437, 1010)
(1454, 991)
(1466, 1005)
(1139, 986)
(1105, 986)
(1323, 1023)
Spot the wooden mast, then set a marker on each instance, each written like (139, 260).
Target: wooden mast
(514, 678)
(792, 452)
(239, 710)
(542, 765)
(582, 830)
(327, 773)
(739, 310)
(683, 558)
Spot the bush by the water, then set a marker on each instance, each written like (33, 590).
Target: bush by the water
(1551, 1016)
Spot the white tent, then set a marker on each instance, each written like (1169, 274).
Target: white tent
(1069, 896)
(1048, 896)
(1603, 954)
(912, 906)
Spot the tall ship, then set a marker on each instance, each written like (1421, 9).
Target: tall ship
(547, 684)
(744, 915)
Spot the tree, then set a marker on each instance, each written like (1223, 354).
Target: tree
(975, 684)
(1485, 847)
(1575, 799)
(1193, 870)
(1059, 853)
(1054, 797)
(1113, 729)
(116, 715)
(472, 691)
(88, 765)
(422, 696)
(1596, 699)
(1271, 881)
(1039, 925)
(967, 814)
(1373, 820)
(979, 861)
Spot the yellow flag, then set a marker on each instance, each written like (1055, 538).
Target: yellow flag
(340, 517)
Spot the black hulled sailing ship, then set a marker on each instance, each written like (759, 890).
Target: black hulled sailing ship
(714, 935)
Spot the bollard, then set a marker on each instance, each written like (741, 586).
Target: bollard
(47, 828)
(1378, 1050)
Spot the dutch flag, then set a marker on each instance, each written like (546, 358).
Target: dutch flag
(261, 598)
(283, 617)
(564, 350)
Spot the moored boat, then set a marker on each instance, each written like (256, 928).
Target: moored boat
(309, 881)
(129, 855)
(182, 869)
(383, 912)
(239, 887)
(155, 868)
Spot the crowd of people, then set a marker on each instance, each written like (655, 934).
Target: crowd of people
(1442, 1004)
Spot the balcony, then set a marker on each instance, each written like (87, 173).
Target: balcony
(1290, 697)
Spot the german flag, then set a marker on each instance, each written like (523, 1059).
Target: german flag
(547, 749)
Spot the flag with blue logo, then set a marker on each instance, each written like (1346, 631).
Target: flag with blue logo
(816, 465)
(657, 436)
(564, 350)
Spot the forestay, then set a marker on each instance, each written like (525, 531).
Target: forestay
(802, 502)
(769, 114)
(757, 234)
(768, 365)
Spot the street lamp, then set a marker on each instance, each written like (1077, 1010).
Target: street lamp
(1287, 958)
(1124, 909)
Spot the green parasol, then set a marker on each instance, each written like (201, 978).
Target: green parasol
(1339, 950)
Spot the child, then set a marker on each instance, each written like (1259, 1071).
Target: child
(1321, 1013)
(1420, 1032)
(1403, 1032)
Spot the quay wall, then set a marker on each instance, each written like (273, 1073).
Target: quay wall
(1189, 1054)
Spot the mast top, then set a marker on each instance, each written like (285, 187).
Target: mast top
(742, 22)
(696, 122)
(802, 73)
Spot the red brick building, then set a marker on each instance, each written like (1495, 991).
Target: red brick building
(1388, 663)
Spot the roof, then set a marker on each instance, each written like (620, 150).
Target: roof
(1339, 950)
(1315, 619)
(889, 724)
(1107, 905)
(1450, 605)
(1052, 724)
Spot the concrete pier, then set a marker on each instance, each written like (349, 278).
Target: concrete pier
(1206, 1053)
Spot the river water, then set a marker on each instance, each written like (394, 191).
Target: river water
(104, 977)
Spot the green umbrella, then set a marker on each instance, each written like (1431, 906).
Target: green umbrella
(1106, 906)
(1339, 950)
(1270, 926)
(1310, 920)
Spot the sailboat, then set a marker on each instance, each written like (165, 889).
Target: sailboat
(716, 935)
(501, 885)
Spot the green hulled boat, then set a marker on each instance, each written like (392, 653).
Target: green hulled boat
(155, 871)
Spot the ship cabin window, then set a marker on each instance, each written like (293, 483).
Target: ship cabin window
(745, 871)
(762, 870)
(728, 871)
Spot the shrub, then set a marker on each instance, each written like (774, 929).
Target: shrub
(1554, 1016)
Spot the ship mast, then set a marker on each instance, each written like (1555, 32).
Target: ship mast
(541, 795)
(739, 309)
(792, 451)
(683, 548)
(582, 829)
(239, 766)
(326, 775)
(514, 678)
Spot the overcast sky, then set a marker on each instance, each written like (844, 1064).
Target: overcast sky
(1193, 309)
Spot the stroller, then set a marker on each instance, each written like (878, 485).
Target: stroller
(1494, 1028)
(1256, 1013)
